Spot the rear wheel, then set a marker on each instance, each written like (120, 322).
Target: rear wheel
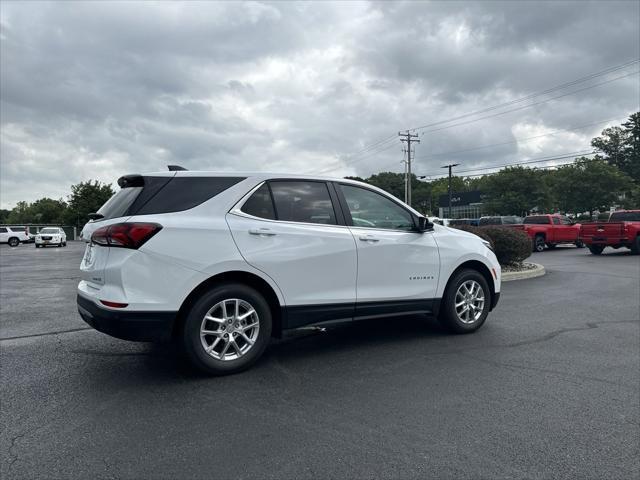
(596, 249)
(13, 242)
(227, 329)
(635, 246)
(466, 302)
(579, 244)
(538, 243)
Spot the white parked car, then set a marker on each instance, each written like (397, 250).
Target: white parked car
(14, 236)
(51, 236)
(224, 262)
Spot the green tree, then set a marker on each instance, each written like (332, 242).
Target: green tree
(517, 191)
(47, 210)
(19, 214)
(390, 182)
(589, 184)
(621, 146)
(86, 197)
(4, 215)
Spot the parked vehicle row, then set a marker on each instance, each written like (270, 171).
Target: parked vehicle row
(14, 236)
(550, 230)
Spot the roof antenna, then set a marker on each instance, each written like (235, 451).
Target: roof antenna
(176, 168)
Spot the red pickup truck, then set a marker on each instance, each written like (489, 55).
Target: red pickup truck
(621, 230)
(550, 230)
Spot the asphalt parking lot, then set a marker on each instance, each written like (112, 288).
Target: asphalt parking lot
(548, 388)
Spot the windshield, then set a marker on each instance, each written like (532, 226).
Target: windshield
(49, 230)
(625, 216)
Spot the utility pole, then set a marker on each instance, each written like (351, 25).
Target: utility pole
(450, 166)
(409, 138)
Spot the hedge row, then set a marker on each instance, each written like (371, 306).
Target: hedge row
(511, 246)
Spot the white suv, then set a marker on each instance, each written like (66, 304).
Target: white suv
(223, 262)
(14, 235)
(51, 236)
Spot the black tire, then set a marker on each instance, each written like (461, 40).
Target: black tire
(13, 241)
(448, 315)
(635, 246)
(596, 249)
(579, 244)
(37, 246)
(538, 243)
(551, 246)
(64, 244)
(192, 342)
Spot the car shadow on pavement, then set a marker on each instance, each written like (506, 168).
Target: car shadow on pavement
(165, 362)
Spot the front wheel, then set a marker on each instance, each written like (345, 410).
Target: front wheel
(227, 329)
(13, 242)
(596, 249)
(466, 302)
(538, 243)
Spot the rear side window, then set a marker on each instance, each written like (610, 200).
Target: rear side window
(260, 204)
(183, 193)
(118, 205)
(164, 195)
(556, 221)
(536, 220)
(303, 201)
(3, 230)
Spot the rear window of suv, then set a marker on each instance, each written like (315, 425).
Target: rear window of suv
(151, 195)
(537, 220)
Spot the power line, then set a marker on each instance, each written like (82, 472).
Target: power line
(518, 140)
(531, 104)
(527, 162)
(533, 95)
(374, 148)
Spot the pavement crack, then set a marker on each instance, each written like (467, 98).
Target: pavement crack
(57, 332)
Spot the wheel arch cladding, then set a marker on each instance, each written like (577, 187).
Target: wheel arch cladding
(244, 278)
(480, 268)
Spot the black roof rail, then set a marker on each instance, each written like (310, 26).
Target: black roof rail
(176, 168)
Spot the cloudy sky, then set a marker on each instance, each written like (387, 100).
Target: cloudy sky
(96, 90)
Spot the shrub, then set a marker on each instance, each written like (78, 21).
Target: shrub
(511, 246)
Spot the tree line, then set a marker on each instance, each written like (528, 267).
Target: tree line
(610, 178)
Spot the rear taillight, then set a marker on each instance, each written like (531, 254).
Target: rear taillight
(125, 235)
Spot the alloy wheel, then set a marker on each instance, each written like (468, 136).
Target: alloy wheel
(229, 329)
(469, 301)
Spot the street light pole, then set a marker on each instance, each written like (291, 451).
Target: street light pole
(450, 166)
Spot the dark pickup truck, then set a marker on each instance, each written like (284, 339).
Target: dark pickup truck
(621, 230)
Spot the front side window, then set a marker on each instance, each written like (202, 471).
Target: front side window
(370, 209)
(565, 221)
(302, 201)
(259, 204)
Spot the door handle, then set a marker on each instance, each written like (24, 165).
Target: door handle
(369, 238)
(263, 232)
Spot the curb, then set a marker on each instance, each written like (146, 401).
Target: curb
(533, 273)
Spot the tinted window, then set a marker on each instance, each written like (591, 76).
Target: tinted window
(490, 221)
(565, 221)
(307, 202)
(260, 204)
(625, 217)
(537, 220)
(183, 193)
(3, 230)
(118, 205)
(556, 220)
(370, 209)
(511, 220)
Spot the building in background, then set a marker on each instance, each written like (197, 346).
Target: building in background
(463, 205)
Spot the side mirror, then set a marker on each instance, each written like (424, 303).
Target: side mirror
(424, 225)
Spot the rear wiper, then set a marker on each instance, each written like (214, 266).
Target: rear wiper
(95, 216)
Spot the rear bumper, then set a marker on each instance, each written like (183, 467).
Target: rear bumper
(127, 325)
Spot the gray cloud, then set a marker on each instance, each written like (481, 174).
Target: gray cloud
(99, 89)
